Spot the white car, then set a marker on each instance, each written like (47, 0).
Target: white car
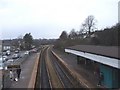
(5, 58)
(16, 51)
(27, 53)
(8, 52)
(1, 63)
(15, 56)
(10, 61)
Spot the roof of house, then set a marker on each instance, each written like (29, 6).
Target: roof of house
(6, 42)
(109, 51)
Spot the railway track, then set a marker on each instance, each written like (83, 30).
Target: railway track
(44, 74)
(51, 74)
(66, 78)
(43, 78)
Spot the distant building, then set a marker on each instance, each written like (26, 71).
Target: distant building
(6, 45)
(119, 11)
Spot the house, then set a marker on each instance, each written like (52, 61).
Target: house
(6, 45)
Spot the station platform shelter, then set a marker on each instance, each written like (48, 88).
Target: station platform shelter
(105, 59)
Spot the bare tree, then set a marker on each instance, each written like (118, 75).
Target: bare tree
(72, 34)
(83, 29)
(89, 25)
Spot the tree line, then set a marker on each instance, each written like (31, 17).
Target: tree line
(89, 35)
(25, 42)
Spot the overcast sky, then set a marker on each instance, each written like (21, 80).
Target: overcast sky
(48, 18)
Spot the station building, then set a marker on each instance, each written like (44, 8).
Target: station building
(104, 58)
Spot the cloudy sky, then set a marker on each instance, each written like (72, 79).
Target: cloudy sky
(48, 18)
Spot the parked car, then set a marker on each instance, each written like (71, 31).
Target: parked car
(5, 58)
(1, 63)
(10, 61)
(3, 53)
(15, 56)
(33, 50)
(16, 51)
(27, 53)
(8, 52)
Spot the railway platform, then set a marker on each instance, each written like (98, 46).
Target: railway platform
(85, 76)
(27, 74)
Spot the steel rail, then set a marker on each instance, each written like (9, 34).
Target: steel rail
(57, 72)
(43, 70)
